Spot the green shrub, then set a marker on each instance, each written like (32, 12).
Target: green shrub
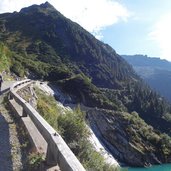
(73, 126)
(47, 107)
(35, 159)
(5, 60)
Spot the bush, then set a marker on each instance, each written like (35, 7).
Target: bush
(73, 126)
(35, 160)
(47, 107)
(5, 60)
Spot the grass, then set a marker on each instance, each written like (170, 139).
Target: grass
(47, 107)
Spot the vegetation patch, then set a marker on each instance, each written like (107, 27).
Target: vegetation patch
(5, 60)
(139, 131)
(35, 160)
(81, 86)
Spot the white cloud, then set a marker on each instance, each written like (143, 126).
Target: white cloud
(93, 15)
(162, 36)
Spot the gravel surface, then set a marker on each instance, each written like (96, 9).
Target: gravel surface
(10, 151)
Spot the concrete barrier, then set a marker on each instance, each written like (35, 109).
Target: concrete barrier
(57, 152)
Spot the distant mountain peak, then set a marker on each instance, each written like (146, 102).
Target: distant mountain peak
(44, 6)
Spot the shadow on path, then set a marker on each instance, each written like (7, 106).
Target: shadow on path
(12, 156)
(5, 147)
(4, 91)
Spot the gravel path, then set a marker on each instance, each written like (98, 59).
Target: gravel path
(10, 151)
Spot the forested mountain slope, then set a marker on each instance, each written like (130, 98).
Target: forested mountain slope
(155, 71)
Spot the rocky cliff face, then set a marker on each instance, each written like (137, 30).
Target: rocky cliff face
(129, 143)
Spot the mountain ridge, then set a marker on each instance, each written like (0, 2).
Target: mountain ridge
(155, 71)
(144, 60)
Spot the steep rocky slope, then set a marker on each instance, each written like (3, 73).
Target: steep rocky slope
(129, 142)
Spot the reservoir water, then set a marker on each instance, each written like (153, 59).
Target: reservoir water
(163, 167)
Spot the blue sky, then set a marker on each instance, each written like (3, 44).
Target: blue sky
(129, 26)
(137, 34)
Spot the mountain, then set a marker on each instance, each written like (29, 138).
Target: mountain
(155, 71)
(144, 60)
(43, 44)
(43, 34)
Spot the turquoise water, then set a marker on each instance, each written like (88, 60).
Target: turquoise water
(163, 167)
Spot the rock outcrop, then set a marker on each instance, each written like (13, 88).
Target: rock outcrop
(124, 137)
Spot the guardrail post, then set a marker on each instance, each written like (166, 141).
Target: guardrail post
(10, 96)
(24, 114)
(51, 155)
